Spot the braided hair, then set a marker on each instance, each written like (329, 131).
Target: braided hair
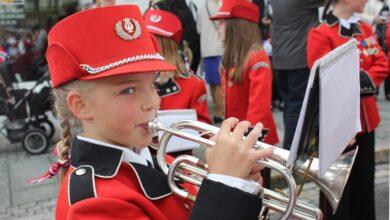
(326, 8)
(67, 119)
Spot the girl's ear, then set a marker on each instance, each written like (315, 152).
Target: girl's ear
(77, 105)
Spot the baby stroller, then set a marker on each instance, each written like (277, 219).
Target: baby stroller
(26, 120)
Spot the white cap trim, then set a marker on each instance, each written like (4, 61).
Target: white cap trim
(159, 30)
(223, 13)
(95, 70)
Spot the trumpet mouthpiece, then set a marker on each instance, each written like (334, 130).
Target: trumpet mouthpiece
(154, 125)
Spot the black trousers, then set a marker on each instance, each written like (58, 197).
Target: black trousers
(292, 88)
(387, 86)
(358, 200)
(275, 84)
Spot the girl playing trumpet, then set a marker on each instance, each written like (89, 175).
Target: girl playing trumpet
(107, 85)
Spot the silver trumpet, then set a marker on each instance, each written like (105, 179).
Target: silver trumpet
(332, 183)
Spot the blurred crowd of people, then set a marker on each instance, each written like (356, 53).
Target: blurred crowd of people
(23, 48)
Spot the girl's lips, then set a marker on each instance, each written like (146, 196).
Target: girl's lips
(145, 125)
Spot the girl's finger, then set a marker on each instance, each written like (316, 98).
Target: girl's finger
(227, 126)
(240, 130)
(261, 154)
(253, 136)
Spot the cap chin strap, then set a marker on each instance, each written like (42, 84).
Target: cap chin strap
(91, 70)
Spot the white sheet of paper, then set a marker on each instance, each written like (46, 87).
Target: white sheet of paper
(167, 118)
(298, 130)
(339, 107)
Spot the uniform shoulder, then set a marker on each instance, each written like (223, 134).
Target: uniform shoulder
(259, 58)
(322, 25)
(195, 77)
(81, 184)
(257, 53)
(322, 29)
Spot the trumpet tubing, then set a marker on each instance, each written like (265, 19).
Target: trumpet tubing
(332, 183)
(271, 199)
(190, 164)
(302, 210)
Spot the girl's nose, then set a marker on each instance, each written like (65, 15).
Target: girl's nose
(151, 102)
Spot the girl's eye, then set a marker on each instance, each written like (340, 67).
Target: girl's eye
(128, 91)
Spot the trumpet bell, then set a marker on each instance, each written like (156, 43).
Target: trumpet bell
(332, 184)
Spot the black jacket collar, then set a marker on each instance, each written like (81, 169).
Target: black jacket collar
(170, 87)
(332, 20)
(106, 162)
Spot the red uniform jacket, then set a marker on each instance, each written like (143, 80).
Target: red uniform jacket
(251, 99)
(331, 34)
(185, 93)
(101, 186)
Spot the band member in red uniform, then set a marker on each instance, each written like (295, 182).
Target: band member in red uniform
(246, 70)
(107, 86)
(178, 89)
(339, 26)
(246, 75)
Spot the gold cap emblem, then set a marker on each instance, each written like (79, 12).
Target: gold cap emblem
(129, 29)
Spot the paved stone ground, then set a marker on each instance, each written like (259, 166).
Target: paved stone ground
(21, 201)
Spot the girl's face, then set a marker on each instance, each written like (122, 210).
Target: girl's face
(120, 108)
(357, 6)
(222, 29)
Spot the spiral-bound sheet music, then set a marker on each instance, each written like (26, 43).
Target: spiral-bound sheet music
(334, 80)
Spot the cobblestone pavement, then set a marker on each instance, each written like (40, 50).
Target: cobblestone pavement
(40, 210)
(21, 201)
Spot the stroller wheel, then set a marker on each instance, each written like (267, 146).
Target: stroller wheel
(35, 141)
(46, 126)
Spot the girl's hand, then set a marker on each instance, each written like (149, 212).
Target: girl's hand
(255, 173)
(266, 21)
(380, 20)
(233, 156)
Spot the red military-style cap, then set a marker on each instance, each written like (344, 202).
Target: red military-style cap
(164, 23)
(102, 42)
(242, 9)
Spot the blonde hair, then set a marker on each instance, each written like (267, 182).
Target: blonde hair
(67, 119)
(241, 38)
(170, 51)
